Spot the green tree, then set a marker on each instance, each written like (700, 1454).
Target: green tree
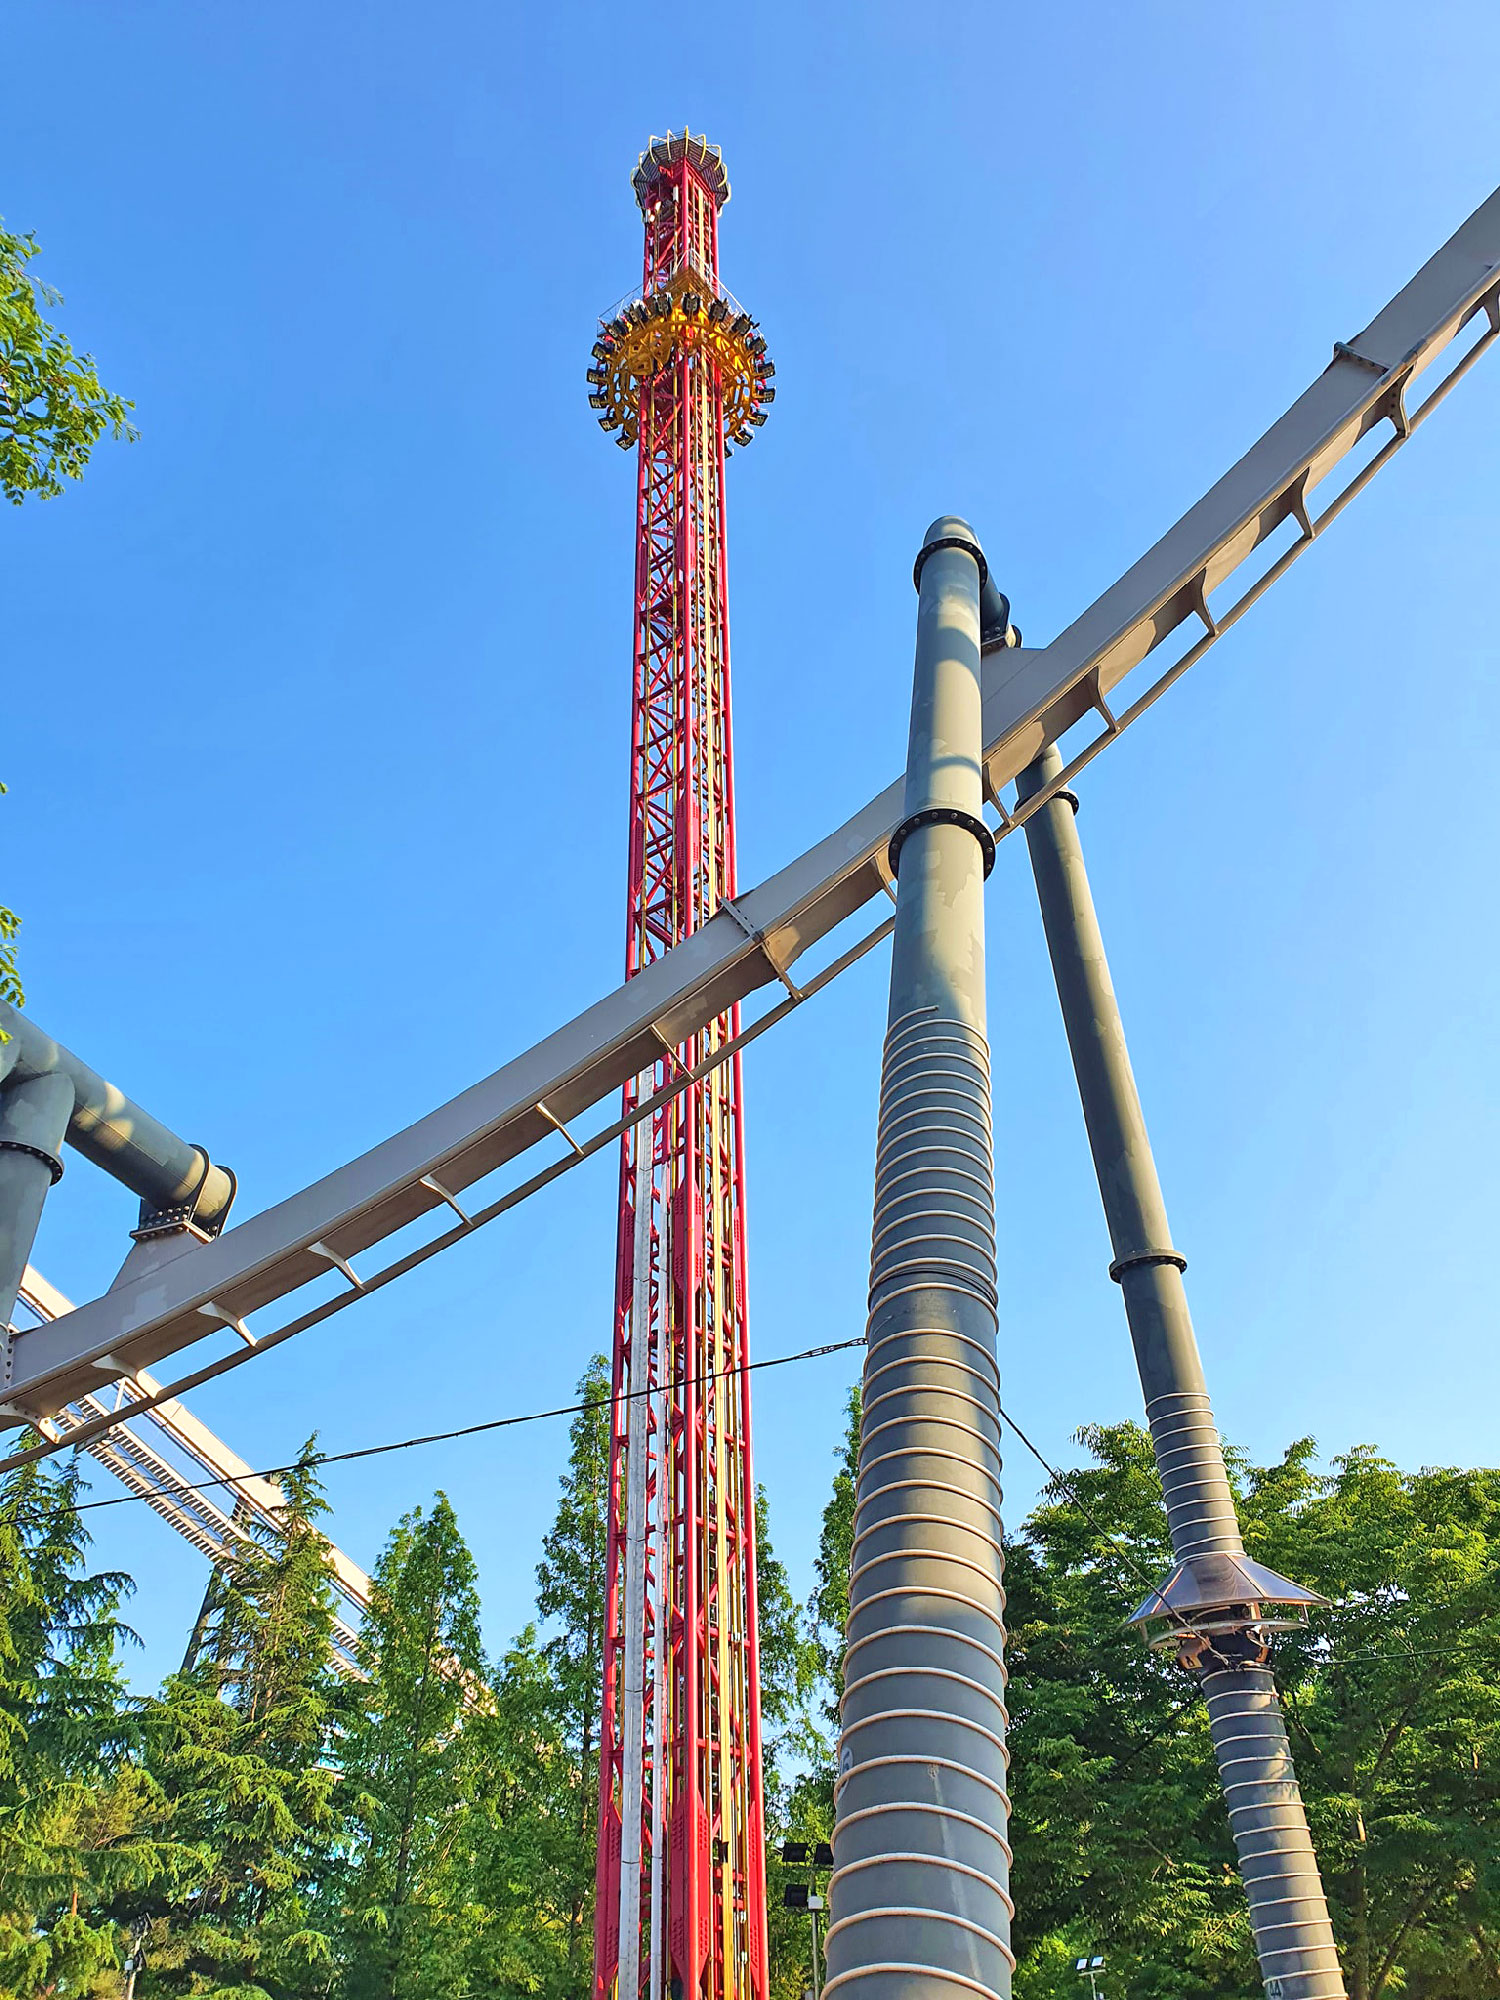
(241, 1749)
(806, 1684)
(788, 1682)
(1121, 1836)
(53, 407)
(788, 1665)
(53, 411)
(525, 1938)
(408, 1765)
(1118, 1824)
(1393, 1702)
(67, 1850)
(570, 1599)
(10, 974)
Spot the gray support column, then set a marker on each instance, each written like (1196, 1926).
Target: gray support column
(920, 1902)
(1221, 1604)
(34, 1114)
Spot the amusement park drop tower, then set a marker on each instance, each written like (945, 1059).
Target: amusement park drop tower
(680, 374)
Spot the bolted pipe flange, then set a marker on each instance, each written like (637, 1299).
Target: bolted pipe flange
(942, 816)
(1136, 1258)
(50, 1160)
(964, 542)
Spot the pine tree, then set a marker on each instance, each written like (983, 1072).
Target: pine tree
(240, 1747)
(409, 1764)
(66, 1730)
(526, 1803)
(570, 1597)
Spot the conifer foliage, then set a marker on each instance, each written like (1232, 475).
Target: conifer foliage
(239, 1750)
(66, 1733)
(408, 1766)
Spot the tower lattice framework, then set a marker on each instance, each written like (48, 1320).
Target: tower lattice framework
(680, 373)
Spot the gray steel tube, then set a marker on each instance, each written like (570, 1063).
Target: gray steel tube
(920, 1894)
(34, 1116)
(107, 1128)
(1288, 1909)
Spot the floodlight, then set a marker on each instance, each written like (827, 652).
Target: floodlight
(794, 1853)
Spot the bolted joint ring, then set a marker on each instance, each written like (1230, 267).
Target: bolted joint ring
(1121, 1265)
(50, 1160)
(942, 816)
(950, 542)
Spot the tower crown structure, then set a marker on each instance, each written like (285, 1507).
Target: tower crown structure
(681, 315)
(680, 373)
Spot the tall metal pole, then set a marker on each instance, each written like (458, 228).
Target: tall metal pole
(919, 1898)
(1219, 1607)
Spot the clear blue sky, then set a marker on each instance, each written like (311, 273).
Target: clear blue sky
(316, 698)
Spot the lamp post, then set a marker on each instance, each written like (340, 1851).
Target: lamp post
(817, 1858)
(1089, 1969)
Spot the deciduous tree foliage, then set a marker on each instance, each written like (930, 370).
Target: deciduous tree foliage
(53, 411)
(53, 407)
(1391, 1695)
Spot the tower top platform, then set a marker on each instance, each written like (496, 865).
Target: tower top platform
(661, 154)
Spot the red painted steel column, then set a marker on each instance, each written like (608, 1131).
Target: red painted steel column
(681, 374)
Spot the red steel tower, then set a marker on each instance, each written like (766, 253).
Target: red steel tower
(680, 372)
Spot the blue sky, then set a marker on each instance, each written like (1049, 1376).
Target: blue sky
(316, 698)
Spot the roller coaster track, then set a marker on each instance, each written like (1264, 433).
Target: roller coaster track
(1245, 532)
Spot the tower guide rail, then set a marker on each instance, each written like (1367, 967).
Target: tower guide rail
(1031, 696)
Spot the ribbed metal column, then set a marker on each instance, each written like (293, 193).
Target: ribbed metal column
(1288, 1910)
(920, 1901)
